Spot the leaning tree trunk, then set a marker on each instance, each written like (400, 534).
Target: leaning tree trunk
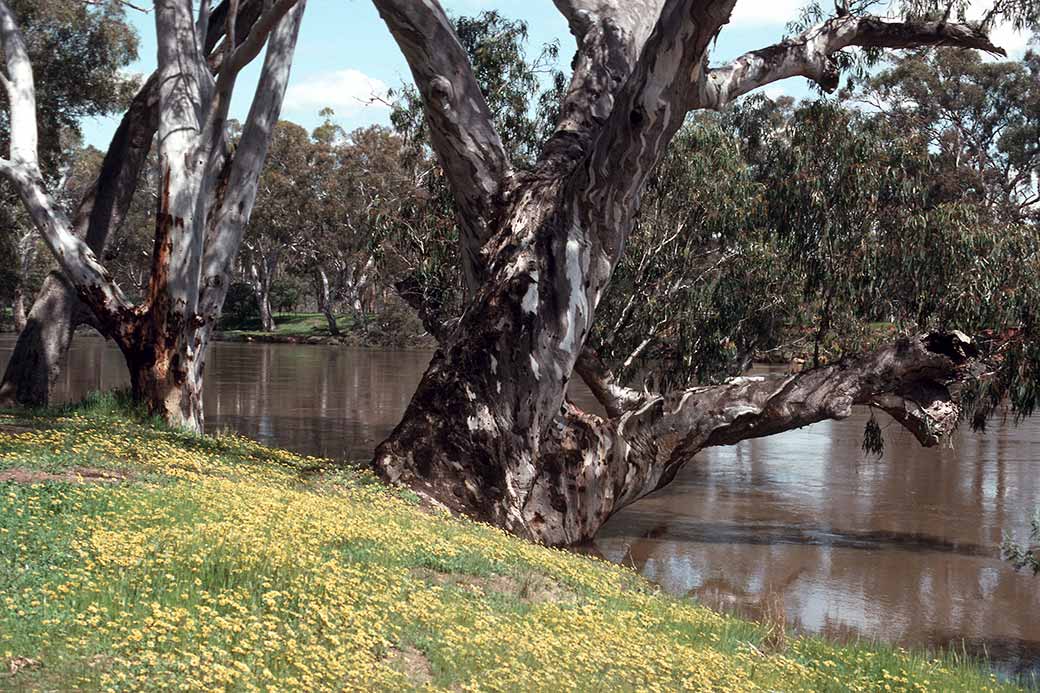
(39, 354)
(41, 351)
(489, 432)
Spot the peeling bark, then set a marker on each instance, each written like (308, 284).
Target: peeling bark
(164, 339)
(489, 432)
(42, 350)
(469, 148)
(587, 467)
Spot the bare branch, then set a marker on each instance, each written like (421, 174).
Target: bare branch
(21, 93)
(811, 53)
(234, 60)
(104, 206)
(647, 111)
(22, 169)
(461, 130)
(615, 398)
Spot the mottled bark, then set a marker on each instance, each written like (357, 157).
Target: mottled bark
(164, 339)
(102, 210)
(261, 274)
(57, 311)
(489, 432)
(18, 309)
(466, 143)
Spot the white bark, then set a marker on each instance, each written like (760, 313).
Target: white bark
(165, 339)
(236, 201)
(22, 169)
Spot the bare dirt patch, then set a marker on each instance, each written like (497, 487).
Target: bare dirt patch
(76, 475)
(413, 664)
(17, 664)
(532, 588)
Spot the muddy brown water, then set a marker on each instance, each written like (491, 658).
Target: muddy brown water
(903, 549)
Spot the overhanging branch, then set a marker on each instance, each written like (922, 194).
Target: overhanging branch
(811, 53)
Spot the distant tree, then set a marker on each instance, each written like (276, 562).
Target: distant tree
(358, 183)
(980, 120)
(279, 225)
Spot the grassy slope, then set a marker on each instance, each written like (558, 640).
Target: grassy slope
(217, 563)
(288, 325)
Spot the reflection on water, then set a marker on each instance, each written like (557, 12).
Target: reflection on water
(902, 549)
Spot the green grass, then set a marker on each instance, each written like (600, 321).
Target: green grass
(134, 557)
(289, 325)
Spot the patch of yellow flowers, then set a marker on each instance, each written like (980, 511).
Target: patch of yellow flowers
(221, 565)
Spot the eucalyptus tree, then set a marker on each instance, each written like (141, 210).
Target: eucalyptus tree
(278, 226)
(980, 118)
(78, 50)
(489, 431)
(419, 222)
(207, 191)
(358, 183)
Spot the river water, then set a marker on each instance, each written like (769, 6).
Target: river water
(903, 549)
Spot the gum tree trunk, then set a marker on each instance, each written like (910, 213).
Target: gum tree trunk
(41, 351)
(489, 432)
(207, 193)
(18, 309)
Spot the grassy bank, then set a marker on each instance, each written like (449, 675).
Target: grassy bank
(132, 557)
(314, 328)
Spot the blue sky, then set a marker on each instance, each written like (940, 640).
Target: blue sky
(345, 55)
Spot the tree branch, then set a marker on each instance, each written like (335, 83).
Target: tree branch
(236, 58)
(76, 259)
(610, 37)
(648, 445)
(811, 53)
(648, 110)
(461, 129)
(104, 206)
(909, 379)
(237, 192)
(615, 398)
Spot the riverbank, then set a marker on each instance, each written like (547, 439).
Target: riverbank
(397, 332)
(136, 557)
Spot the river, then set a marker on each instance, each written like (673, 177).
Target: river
(903, 549)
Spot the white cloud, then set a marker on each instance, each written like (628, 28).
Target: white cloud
(1014, 42)
(347, 92)
(762, 12)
